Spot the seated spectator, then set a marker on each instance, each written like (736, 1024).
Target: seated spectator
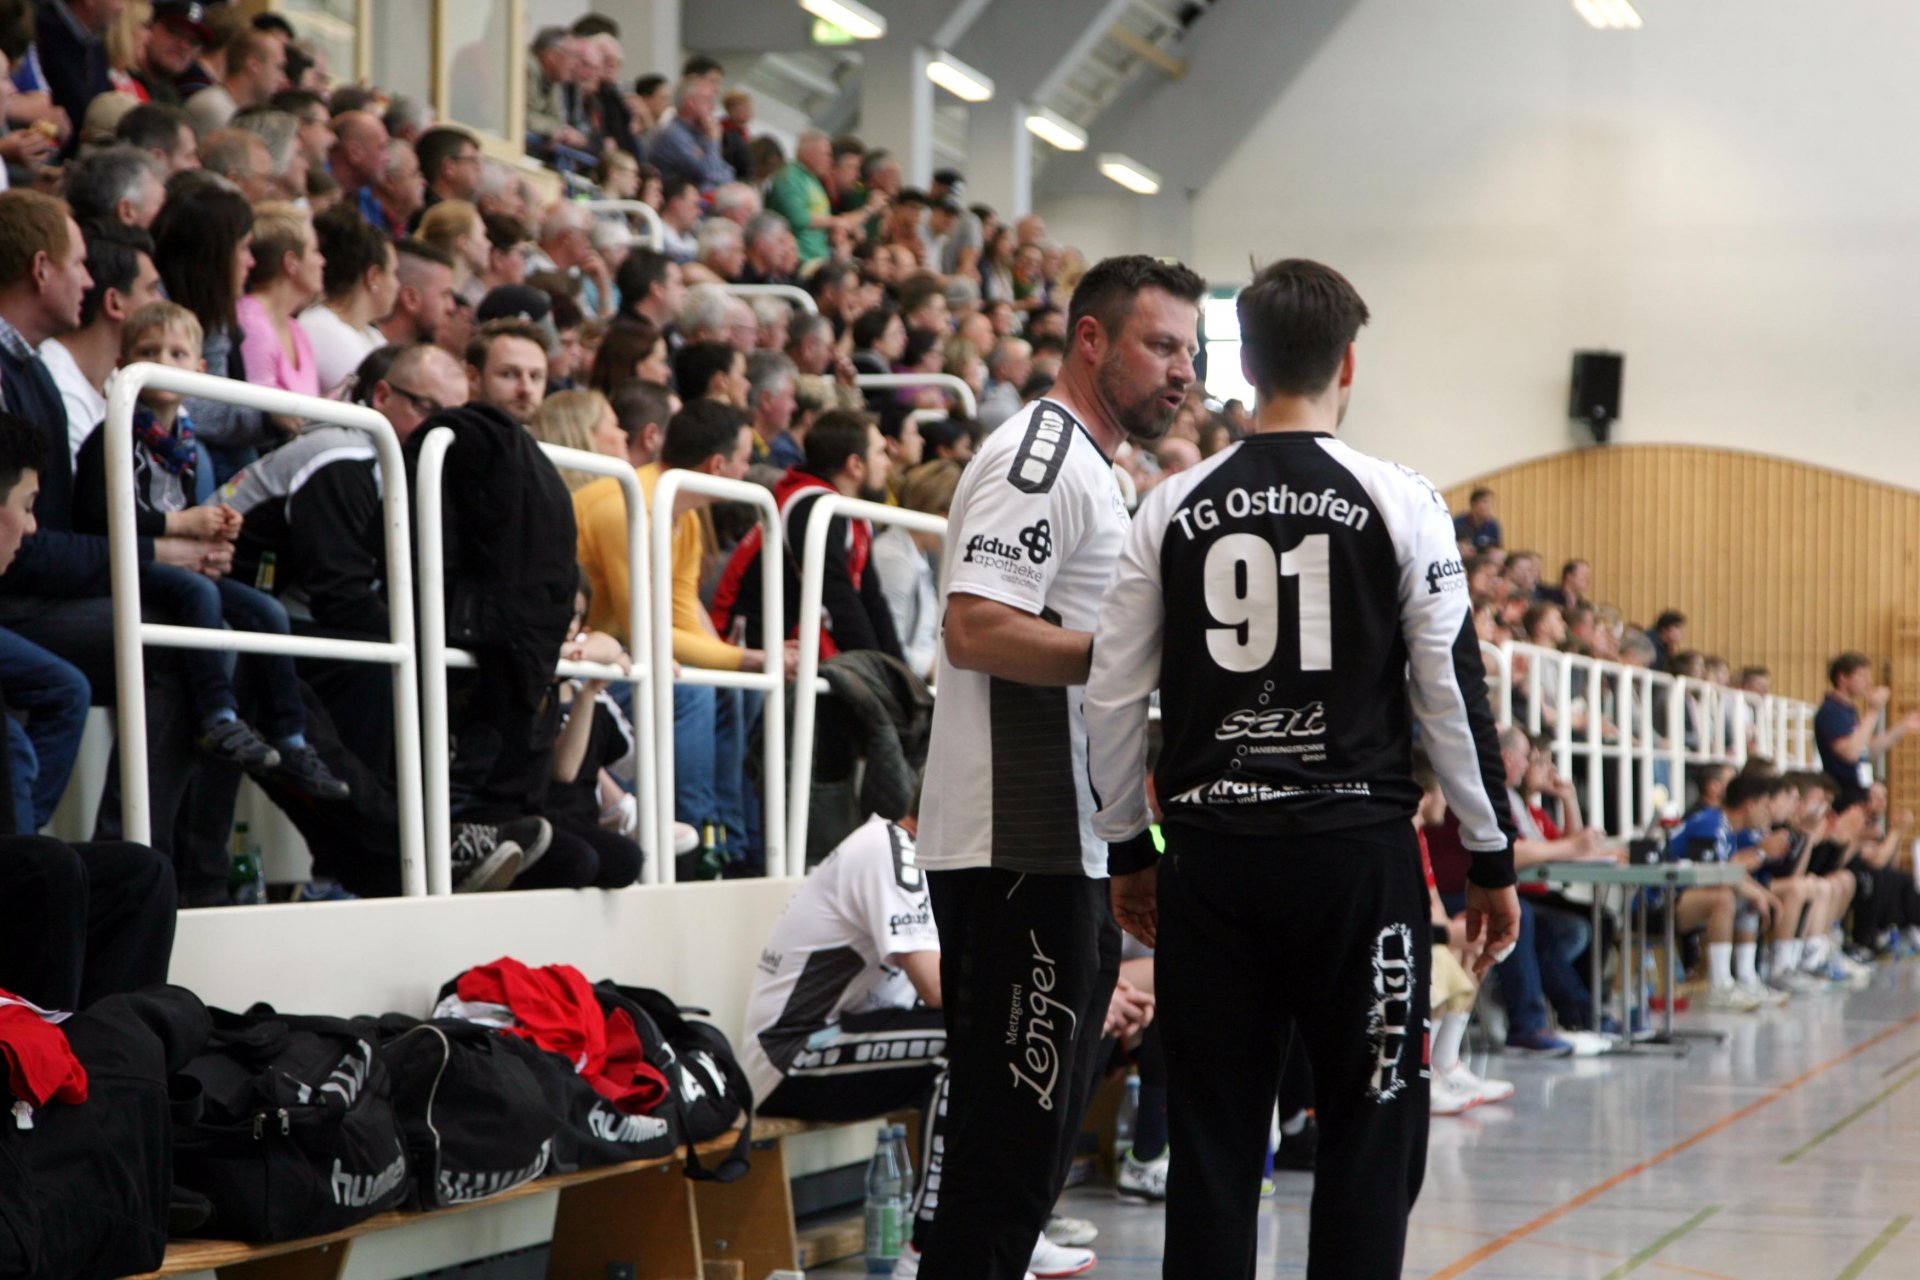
(407, 118)
(450, 166)
(959, 358)
(243, 159)
(507, 368)
(1476, 529)
(736, 202)
(643, 409)
(771, 317)
(400, 189)
(631, 349)
(166, 333)
(949, 439)
(288, 274)
(425, 308)
(1669, 636)
(1576, 584)
(1008, 369)
(288, 168)
(681, 210)
(164, 132)
(1733, 916)
(550, 74)
(358, 161)
(798, 194)
(174, 40)
(771, 255)
(256, 69)
(566, 245)
(824, 374)
(711, 371)
(653, 288)
(901, 558)
(879, 341)
(770, 401)
(120, 260)
(579, 420)
(688, 146)
(121, 183)
(456, 229)
(360, 280)
(846, 455)
(923, 305)
(596, 746)
(735, 141)
(721, 250)
(508, 245)
(313, 125)
(68, 60)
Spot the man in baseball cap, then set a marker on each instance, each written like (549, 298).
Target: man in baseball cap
(179, 34)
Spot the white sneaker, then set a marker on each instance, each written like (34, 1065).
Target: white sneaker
(1073, 1233)
(1051, 1260)
(1797, 982)
(1144, 1179)
(1488, 1091)
(1448, 1096)
(1732, 1000)
(1587, 1044)
(907, 1265)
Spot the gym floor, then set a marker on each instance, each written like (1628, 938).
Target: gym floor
(1789, 1151)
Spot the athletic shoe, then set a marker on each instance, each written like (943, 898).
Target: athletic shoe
(234, 742)
(1537, 1044)
(1298, 1150)
(1732, 1000)
(1143, 1179)
(1447, 1096)
(301, 769)
(1488, 1091)
(1266, 1188)
(1051, 1260)
(1071, 1233)
(1587, 1044)
(484, 859)
(907, 1265)
(1850, 972)
(686, 838)
(1797, 982)
(1769, 996)
(322, 891)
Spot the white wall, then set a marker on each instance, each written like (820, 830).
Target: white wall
(1727, 196)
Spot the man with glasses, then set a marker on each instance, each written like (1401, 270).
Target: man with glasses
(450, 162)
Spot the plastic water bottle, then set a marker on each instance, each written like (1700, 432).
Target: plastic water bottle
(903, 1156)
(246, 877)
(886, 1207)
(1125, 1119)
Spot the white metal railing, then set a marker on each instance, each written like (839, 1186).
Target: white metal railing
(436, 659)
(793, 293)
(656, 237)
(771, 680)
(944, 381)
(131, 635)
(806, 696)
(1641, 722)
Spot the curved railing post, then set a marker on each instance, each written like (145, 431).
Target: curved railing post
(944, 381)
(656, 229)
(806, 693)
(792, 293)
(132, 634)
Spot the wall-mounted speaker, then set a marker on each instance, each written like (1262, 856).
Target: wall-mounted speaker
(1596, 390)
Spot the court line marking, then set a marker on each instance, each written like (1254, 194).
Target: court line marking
(1851, 1116)
(1637, 1260)
(1912, 1057)
(1872, 1251)
(1460, 1266)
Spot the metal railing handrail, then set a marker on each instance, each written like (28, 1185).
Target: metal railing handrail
(813, 562)
(436, 659)
(771, 680)
(944, 381)
(132, 635)
(656, 229)
(790, 292)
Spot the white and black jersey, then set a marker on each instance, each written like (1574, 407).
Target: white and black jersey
(1297, 604)
(829, 955)
(1035, 524)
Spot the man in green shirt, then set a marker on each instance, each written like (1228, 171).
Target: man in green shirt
(799, 194)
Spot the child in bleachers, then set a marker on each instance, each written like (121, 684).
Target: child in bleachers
(164, 467)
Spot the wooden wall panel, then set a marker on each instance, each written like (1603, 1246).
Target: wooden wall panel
(1773, 561)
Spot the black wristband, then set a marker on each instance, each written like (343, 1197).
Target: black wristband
(1441, 937)
(1136, 853)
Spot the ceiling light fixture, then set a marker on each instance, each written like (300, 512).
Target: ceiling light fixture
(959, 79)
(1056, 130)
(1609, 15)
(850, 16)
(1130, 173)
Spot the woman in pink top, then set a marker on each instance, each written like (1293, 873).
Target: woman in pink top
(286, 277)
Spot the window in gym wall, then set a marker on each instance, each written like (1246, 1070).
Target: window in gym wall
(1221, 327)
(328, 25)
(402, 37)
(479, 60)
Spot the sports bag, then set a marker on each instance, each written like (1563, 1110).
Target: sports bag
(298, 1134)
(474, 1112)
(707, 1089)
(590, 1131)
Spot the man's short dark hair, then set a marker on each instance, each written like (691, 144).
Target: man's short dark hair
(504, 231)
(1754, 673)
(275, 24)
(153, 126)
(596, 24)
(1108, 289)
(639, 404)
(113, 260)
(1669, 618)
(480, 346)
(417, 248)
(696, 364)
(830, 274)
(648, 85)
(675, 186)
(352, 247)
(700, 64)
(1845, 664)
(1479, 494)
(438, 145)
(296, 102)
(639, 272)
(1297, 320)
(833, 438)
(1568, 569)
(871, 326)
(23, 448)
(1744, 788)
(703, 429)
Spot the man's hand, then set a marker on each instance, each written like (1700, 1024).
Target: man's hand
(213, 558)
(1130, 1010)
(1879, 697)
(1136, 904)
(1493, 924)
(205, 523)
(217, 559)
(596, 646)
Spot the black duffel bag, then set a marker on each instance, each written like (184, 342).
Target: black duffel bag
(590, 1131)
(298, 1134)
(84, 1191)
(474, 1110)
(706, 1088)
